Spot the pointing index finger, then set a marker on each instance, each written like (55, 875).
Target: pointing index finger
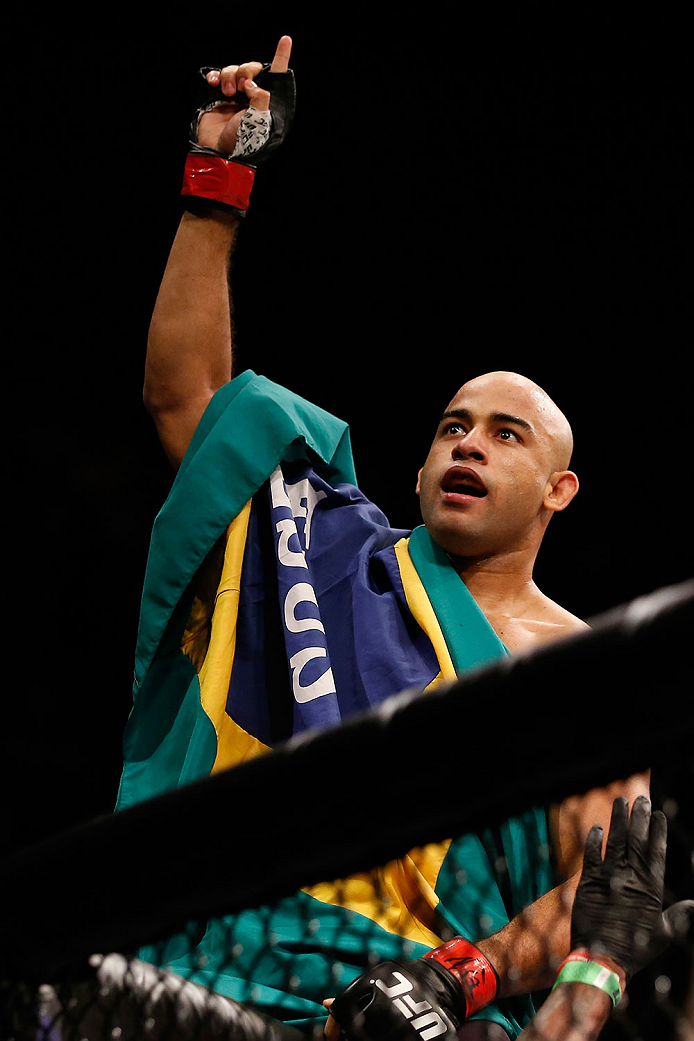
(280, 63)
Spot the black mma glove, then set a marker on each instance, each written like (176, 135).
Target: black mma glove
(417, 1000)
(228, 180)
(618, 910)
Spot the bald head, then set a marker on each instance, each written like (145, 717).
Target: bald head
(525, 399)
(504, 437)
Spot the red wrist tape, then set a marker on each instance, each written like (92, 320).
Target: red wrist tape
(216, 178)
(475, 973)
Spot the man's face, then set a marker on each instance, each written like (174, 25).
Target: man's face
(486, 478)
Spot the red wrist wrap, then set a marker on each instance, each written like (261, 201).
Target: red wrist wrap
(475, 973)
(214, 177)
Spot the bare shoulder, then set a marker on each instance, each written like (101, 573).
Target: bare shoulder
(537, 621)
(550, 611)
(551, 621)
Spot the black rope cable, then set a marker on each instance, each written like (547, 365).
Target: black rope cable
(529, 730)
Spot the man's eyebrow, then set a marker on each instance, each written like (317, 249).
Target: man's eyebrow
(503, 417)
(456, 413)
(496, 417)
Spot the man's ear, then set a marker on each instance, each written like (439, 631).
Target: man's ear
(419, 477)
(560, 490)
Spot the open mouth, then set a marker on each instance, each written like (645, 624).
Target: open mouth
(461, 481)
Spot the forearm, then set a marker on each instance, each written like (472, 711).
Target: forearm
(572, 1012)
(525, 953)
(189, 348)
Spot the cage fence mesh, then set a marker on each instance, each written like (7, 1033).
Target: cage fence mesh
(239, 976)
(260, 969)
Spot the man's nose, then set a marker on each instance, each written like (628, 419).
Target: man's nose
(471, 446)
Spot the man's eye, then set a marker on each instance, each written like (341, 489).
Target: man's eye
(454, 428)
(509, 435)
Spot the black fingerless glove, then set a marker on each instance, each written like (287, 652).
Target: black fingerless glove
(222, 179)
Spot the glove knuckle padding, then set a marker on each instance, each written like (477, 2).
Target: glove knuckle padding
(396, 1002)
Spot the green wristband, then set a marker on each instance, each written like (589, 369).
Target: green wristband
(594, 974)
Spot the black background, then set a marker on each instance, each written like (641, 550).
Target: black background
(461, 192)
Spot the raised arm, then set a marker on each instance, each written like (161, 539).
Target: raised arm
(189, 347)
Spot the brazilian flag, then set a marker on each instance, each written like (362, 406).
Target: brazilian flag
(278, 599)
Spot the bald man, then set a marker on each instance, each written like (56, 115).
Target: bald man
(295, 604)
(496, 473)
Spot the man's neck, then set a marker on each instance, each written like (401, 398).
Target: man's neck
(498, 582)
